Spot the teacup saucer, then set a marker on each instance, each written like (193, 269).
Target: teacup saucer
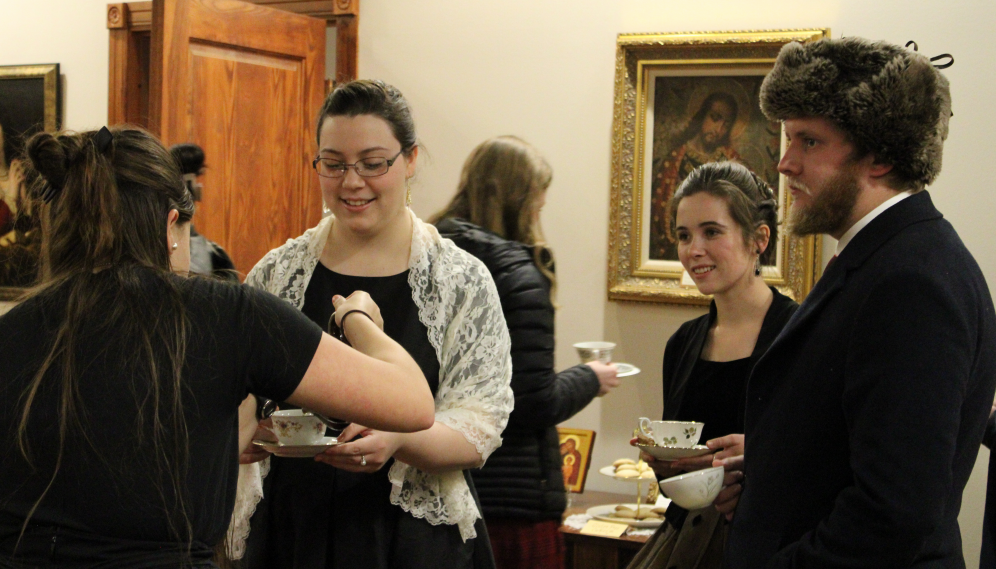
(297, 451)
(673, 453)
(626, 370)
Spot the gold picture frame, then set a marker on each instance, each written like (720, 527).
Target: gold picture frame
(29, 102)
(575, 456)
(665, 84)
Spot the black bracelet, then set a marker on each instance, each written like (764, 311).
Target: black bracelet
(264, 407)
(342, 321)
(339, 331)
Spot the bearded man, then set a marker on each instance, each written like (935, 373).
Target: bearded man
(864, 418)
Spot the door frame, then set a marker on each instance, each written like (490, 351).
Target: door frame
(130, 27)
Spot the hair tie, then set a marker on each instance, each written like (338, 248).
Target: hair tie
(101, 141)
(936, 57)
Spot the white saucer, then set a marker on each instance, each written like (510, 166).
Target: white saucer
(673, 453)
(611, 471)
(626, 370)
(602, 513)
(297, 451)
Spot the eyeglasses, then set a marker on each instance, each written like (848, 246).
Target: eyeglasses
(368, 167)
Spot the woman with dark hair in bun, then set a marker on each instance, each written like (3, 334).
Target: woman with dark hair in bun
(725, 224)
(381, 499)
(123, 381)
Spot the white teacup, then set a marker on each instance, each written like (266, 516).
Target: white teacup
(297, 427)
(694, 490)
(591, 351)
(678, 434)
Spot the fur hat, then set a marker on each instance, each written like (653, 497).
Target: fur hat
(889, 100)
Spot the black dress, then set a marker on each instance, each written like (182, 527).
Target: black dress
(714, 396)
(321, 517)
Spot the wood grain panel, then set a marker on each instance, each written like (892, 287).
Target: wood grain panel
(250, 26)
(315, 8)
(249, 111)
(128, 78)
(140, 16)
(247, 95)
(347, 48)
(327, 9)
(118, 74)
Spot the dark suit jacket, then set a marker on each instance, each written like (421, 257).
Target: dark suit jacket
(864, 418)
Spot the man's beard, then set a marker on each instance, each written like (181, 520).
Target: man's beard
(830, 210)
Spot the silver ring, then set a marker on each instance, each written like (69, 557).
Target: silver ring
(363, 460)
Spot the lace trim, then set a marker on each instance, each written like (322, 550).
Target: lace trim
(458, 303)
(247, 496)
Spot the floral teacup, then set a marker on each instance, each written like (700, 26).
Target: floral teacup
(296, 427)
(678, 434)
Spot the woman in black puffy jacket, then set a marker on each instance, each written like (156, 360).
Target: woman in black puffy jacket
(495, 217)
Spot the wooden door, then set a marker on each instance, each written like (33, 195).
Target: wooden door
(245, 83)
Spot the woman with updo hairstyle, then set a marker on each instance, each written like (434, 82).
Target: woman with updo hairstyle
(123, 379)
(383, 499)
(725, 224)
(495, 216)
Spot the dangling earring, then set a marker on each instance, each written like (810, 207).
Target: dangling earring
(757, 264)
(408, 192)
(325, 209)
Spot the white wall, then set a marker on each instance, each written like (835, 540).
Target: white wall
(72, 33)
(544, 71)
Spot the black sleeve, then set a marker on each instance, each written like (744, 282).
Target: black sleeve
(543, 398)
(279, 343)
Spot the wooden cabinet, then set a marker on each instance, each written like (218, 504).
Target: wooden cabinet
(594, 552)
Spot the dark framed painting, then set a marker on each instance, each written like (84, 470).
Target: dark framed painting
(683, 100)
(30, 102)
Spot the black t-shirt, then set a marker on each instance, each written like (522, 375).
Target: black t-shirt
(105, 502)
(394, 298)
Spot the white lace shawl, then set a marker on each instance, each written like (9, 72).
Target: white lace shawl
(458, 302)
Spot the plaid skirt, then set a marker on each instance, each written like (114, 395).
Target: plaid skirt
(524, 544)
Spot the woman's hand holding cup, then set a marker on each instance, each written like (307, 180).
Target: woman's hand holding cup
(731, 458)
(255, 453)
(606, 373)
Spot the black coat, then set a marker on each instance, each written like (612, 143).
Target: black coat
(987, 557)
(864, 417)
(685, 347)
(522, 478)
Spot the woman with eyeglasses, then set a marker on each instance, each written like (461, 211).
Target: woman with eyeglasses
(386, 499)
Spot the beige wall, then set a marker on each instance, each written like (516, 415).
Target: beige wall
(544, 71)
